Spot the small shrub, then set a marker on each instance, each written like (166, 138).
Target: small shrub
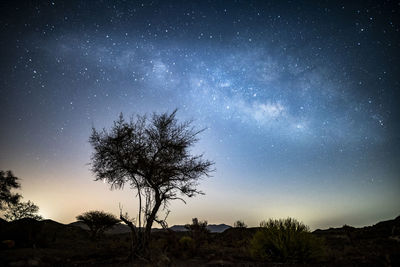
(198, 231)
(98, 221)
(187, 247)
(186, 242)
(199, 234)
(197, 226)
(284, 241)
(239, 224)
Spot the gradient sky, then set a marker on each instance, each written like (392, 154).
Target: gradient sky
(300, 100)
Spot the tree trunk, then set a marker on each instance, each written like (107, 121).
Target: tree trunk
(149, 222)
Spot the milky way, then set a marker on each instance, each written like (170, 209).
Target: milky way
(299, 99)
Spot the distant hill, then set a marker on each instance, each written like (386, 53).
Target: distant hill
(217, 228)
(377, 245)
(389, 228)
(213, 228)
(123, 228)
(117, 229)
(384, 228)
(31, 233)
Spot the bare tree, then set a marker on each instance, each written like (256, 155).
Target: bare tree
(151, 156)
(98, 221)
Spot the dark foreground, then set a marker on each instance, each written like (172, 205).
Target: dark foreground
(47, 243)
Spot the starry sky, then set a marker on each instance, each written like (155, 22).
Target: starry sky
(300, 101)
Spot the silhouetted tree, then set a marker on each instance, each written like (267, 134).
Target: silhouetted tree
(8, 182)
(239, 224)
(22, 210)
(152, 156)
(98, 221)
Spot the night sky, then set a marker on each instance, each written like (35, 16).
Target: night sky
(300, 101)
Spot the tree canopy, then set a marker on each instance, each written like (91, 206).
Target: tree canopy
(22, 210)
(8, 182)
(98, 221)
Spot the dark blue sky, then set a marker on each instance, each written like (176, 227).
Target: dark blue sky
(300, 100)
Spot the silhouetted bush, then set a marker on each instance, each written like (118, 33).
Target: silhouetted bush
(186, 242)
(239, 224)
(198, 232)
(98, 221)
(285, 240)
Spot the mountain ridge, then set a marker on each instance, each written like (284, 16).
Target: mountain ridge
(121, 228)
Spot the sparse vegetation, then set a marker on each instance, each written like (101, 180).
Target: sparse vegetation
(49, 243)
(98, 222)
(186, 242)
(198, 232)
(284, 240)
(197, 226)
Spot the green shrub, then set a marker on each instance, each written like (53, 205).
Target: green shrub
(187, 247)
(186, 242)
(284, 240)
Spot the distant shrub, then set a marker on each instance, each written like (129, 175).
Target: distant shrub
(198, 232)
(284, 240)
(197, 226)
(98, 221)
(186, 242)
(239, 224)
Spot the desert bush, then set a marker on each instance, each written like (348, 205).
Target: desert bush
(98, 221)
(239, 224)
(186, 248)
(198, 231)
(186, 242)
(284, 240)
(168, 243)
(197, 226)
